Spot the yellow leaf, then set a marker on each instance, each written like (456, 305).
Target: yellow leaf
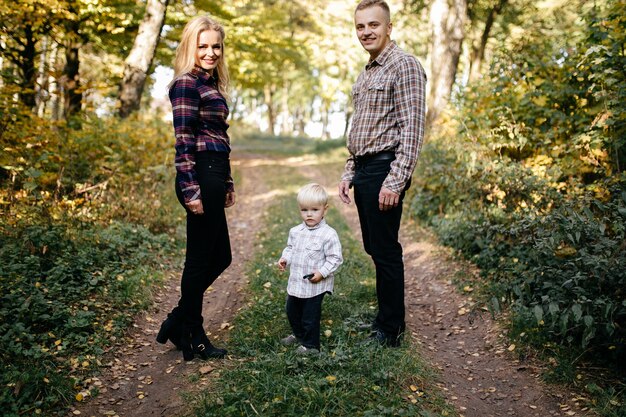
(331, 378)
(328, 333)
(413, 388)
(79, 396)
(511, 348)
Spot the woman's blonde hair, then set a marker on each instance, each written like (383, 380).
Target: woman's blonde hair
(185, 59)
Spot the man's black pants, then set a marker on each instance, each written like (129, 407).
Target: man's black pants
(380, 239)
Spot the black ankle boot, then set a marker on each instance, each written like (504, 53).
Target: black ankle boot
(171, 329)
(196, 342)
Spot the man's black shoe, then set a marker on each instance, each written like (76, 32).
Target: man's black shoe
(384, 339)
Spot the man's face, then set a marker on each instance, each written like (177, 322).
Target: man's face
(373, 29)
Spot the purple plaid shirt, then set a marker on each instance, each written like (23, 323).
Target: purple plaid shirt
(200, 112)
(389, 100)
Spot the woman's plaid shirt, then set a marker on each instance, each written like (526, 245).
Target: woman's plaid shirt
(310, 249)
(200, 112)
(389, 100)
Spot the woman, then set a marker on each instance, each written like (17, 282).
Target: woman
(204, 185)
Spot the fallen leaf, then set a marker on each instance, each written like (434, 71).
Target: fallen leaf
(511, 348)
(205, 369)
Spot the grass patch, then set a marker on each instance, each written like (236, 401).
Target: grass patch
(347, 378)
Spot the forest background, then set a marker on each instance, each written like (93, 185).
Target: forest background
(522, 171)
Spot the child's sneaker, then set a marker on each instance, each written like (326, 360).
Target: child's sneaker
(303, 350)
(289, 340)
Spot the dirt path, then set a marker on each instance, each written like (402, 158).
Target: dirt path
(144, 378)
(477, 372)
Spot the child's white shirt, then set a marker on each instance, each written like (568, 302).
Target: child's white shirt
(309, 249)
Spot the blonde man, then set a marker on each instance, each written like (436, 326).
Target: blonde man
(384, 142)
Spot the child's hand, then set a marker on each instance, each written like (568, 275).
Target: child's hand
(282, 264)
(317, 277)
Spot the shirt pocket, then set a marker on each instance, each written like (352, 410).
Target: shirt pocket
(376, 94)
(315, 251)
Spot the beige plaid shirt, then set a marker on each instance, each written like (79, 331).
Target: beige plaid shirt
(389, 100)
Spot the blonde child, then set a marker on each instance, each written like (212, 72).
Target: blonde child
(313, 254)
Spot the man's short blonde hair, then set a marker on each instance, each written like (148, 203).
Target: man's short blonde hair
(312, 194)
(366, 4)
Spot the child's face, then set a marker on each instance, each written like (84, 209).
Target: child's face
(312, 214)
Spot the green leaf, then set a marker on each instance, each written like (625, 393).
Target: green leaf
(538, 313)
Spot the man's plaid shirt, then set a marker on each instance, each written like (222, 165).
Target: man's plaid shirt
(200, 112)
(389, 100)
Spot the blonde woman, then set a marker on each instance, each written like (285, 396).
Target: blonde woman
(204, 185)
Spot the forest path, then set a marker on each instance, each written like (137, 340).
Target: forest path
(477, 372)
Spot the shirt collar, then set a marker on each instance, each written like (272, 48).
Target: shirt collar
(317, 226)
(202, 74)
(384, 55)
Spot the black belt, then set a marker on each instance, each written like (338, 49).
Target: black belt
(380, 156)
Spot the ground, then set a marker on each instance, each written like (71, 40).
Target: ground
(477, 368)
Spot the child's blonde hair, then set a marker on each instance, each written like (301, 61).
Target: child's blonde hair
(312, 194)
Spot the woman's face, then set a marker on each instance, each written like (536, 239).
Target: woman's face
(209, 50)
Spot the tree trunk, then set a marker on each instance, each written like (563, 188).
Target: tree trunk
(27, 67)
(71, 80)
(141, 55)
(286, 127)
(347, 125)
(271, 112)
(478, 52)
(447, 20)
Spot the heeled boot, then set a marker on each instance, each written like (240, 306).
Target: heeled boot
(171, 329)
(195, 342)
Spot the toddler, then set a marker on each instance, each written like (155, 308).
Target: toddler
(313, 254)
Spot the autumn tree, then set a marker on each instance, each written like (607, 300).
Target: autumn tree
(141, 55)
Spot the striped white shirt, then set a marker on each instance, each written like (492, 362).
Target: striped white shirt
(310, 249)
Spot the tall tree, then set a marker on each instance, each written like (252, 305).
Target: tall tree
(478, 50)
(141, 55)
(447, 20)
(22, 25)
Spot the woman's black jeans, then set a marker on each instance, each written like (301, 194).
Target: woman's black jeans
(380, 240)
(208, 244)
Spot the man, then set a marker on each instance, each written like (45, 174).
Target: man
(384, 142)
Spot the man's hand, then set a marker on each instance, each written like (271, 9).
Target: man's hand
(230, 199)
(387, 199)
(195, 206)
(282, 264)
(344, 191)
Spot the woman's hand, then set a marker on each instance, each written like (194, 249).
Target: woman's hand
(230, 199)
(195, 206)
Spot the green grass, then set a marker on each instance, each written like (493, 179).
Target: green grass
(348, 378)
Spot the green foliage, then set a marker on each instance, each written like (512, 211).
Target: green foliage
(75, 265)
(66, 290)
